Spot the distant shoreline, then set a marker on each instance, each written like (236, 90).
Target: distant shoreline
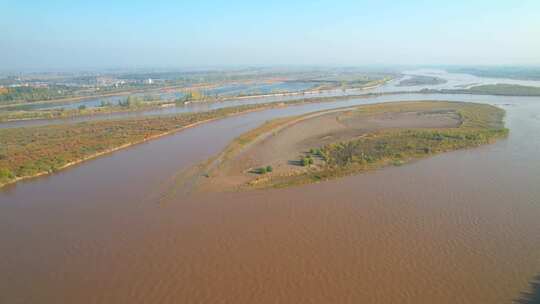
(65, 114)
(69, 100)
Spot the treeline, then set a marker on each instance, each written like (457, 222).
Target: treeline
(34, 94)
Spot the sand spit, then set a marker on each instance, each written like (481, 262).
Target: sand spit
(282, 144)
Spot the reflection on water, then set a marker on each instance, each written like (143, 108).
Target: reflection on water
(259, 88)
(171, 95)
(454, 81)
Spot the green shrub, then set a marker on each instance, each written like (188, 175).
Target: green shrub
(6, 173)
(316, 152)
(306, 161)
(263, 170)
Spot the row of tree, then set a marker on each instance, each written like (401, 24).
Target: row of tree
(34, 94)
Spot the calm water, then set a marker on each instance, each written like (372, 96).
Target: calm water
(260, 88)
(461, 227)
(93, 102)
(454, 81)
(224, 91)
(189, 108)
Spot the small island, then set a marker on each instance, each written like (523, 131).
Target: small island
(499, 89)
(329, 144)
(417, 80)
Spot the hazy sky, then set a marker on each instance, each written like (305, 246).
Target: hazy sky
(82, 34)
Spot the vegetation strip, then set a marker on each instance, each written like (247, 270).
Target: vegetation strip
(36, 151)
(19, 112)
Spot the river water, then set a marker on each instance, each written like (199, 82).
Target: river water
(189, 108)
(454, 81)
(460, 227)
(228, 90)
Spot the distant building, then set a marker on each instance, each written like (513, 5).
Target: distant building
(149, 81)
(105, 81)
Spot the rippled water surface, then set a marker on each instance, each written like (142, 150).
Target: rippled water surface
(460, 227)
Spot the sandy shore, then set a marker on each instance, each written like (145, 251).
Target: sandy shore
(281, 144)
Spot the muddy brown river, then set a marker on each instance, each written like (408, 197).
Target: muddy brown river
(460, 227)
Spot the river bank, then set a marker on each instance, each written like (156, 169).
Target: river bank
(48, 150)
